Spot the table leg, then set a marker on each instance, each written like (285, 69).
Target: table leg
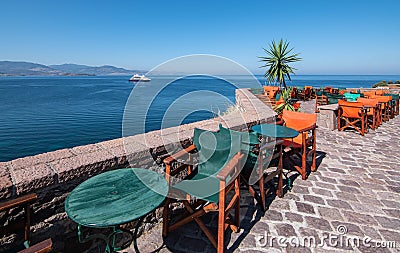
(140, 221)
(108, 239)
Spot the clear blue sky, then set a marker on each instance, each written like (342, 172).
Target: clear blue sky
(333, 37)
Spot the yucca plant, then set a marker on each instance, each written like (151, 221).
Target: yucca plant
(287, 103)
(277, 61)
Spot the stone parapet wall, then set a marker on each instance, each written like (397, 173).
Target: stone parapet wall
(53, 175)
(391, 90)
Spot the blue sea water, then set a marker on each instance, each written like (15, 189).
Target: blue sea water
(41, 114)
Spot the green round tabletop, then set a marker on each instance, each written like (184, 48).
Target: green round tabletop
(116, 197)
(275, 131)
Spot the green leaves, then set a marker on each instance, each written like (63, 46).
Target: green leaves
(287, 101)
(277, 61)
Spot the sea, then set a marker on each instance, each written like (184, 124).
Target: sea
(42, 114)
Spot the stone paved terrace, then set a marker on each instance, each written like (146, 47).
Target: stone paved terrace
(357, 185)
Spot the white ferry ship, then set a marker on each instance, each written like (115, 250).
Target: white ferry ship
(139, 78)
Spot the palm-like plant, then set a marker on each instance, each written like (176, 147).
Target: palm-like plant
(277, 62)
(287, 101)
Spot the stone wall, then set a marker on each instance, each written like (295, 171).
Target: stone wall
(53, 175)
(327, 116)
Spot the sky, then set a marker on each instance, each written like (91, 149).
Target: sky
(332, 36)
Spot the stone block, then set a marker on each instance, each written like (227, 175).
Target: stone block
(32, 178)
(6, 185)
(338, 204)
(359, 218)
(293, 217)
(285, 230)
(29, 161)
(305, 208)
(330, 213)
(314, 199)
(85, 149)
(389, 223)
(273, 215)
(125, 150)
(84, 165)
(318, 223)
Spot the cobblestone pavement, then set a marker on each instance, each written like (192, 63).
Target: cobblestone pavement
(354, 193)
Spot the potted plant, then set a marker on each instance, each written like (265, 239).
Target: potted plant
(286, 102)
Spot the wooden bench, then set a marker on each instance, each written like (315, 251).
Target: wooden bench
(25, 202)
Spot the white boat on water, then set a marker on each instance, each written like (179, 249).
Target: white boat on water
(139, 78)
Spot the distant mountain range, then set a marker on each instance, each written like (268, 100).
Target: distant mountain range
(11, 68)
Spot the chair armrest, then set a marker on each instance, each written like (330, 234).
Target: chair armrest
(41, 247)
(20, 201)
(307, 128)
(172, 158)
(229, 167)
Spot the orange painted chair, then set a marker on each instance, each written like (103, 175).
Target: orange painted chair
(380, 92)
(294, 92)
(271, 91)
(369, 94)
(328, 89)
(306, 93)
(320, 100)
(353, 115)
(305, 144)
(385, 102)
(373, 111)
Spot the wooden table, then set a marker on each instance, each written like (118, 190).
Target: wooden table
(113, 198)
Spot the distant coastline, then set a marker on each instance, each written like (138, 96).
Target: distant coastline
(63, 74)
(14, 68)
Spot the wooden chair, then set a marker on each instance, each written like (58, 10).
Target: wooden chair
(24, 202)
(328, 89)
(369, 94)
(395, 103)
(207, 188)
(305, 144)
(373, 111)
(380, 92)
(294, 92)
(257, 168)
(321, 99)
(351, 97)
(353, 115)
(334, 91)
(306, 93)
(271, 91)
(385, 102)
